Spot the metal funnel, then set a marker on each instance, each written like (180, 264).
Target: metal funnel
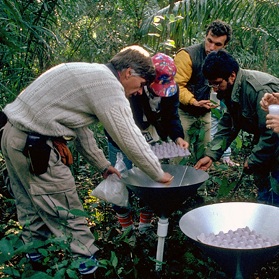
(239, 263)
(164, 199)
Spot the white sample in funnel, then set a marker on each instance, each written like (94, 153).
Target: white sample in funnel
(242, 238)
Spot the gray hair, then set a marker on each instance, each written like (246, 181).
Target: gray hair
(136, 58)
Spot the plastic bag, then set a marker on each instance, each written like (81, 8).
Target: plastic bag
(112, 189)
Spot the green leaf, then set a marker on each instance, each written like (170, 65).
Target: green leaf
(40, 275)
(60, 273)
(216, 112)
(172, 18)
(159, 27)
(7, 250)
(200, 152)
(274, 185)
(238, 142)
(217, 146)
(43, 251)
(78, 212)
(120, 270)
(201, 134)
(11, 271)
(113, 259)
(72, 274)
(225, 187)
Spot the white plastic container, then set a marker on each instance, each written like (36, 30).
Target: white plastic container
(273, 109)
(213, 98)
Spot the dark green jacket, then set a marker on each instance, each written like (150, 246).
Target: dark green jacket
(245, 113)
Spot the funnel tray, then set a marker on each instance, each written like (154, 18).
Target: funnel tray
(239, 263)
(165, 199)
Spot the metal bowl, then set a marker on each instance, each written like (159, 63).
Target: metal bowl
(165, 199)
(239, 263)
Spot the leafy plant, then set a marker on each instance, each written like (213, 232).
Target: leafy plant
(35, 35)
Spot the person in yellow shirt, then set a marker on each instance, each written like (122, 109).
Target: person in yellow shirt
(194, 97)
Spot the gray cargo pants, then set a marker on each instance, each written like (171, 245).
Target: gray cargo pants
(37, 197)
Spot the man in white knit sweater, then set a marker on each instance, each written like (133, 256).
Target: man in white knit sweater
(60, 104)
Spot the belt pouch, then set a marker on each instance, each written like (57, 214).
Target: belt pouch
(37, 150)
(3, 121)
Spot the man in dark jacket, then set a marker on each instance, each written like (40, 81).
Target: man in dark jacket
(242, 90)
(194, 90)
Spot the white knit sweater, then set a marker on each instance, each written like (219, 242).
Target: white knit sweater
(67, 98)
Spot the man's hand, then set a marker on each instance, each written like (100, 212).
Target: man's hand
(272, 122)
(167, 178)
(269, 99)
(111, 170)
(203, 104)
(246, 168)
(182, 143)
(204, 163)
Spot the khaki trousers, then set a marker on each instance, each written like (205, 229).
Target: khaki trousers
(43, 202)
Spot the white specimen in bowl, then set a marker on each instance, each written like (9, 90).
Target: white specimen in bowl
(242, 238)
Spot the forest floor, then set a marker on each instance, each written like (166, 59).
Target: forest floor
(182, 259)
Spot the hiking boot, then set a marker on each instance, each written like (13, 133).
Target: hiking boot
(34, 257)
(89, 266)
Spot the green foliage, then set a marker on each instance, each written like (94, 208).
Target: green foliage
(112, 265)
(196, 134)
(26, 38)
(255, 37)
(225, 186)
(35, 35)
(57, 259)
(75, 212)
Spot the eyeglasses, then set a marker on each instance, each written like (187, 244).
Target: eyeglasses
(215, 85)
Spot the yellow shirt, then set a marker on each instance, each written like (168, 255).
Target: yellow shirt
(184, 66)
